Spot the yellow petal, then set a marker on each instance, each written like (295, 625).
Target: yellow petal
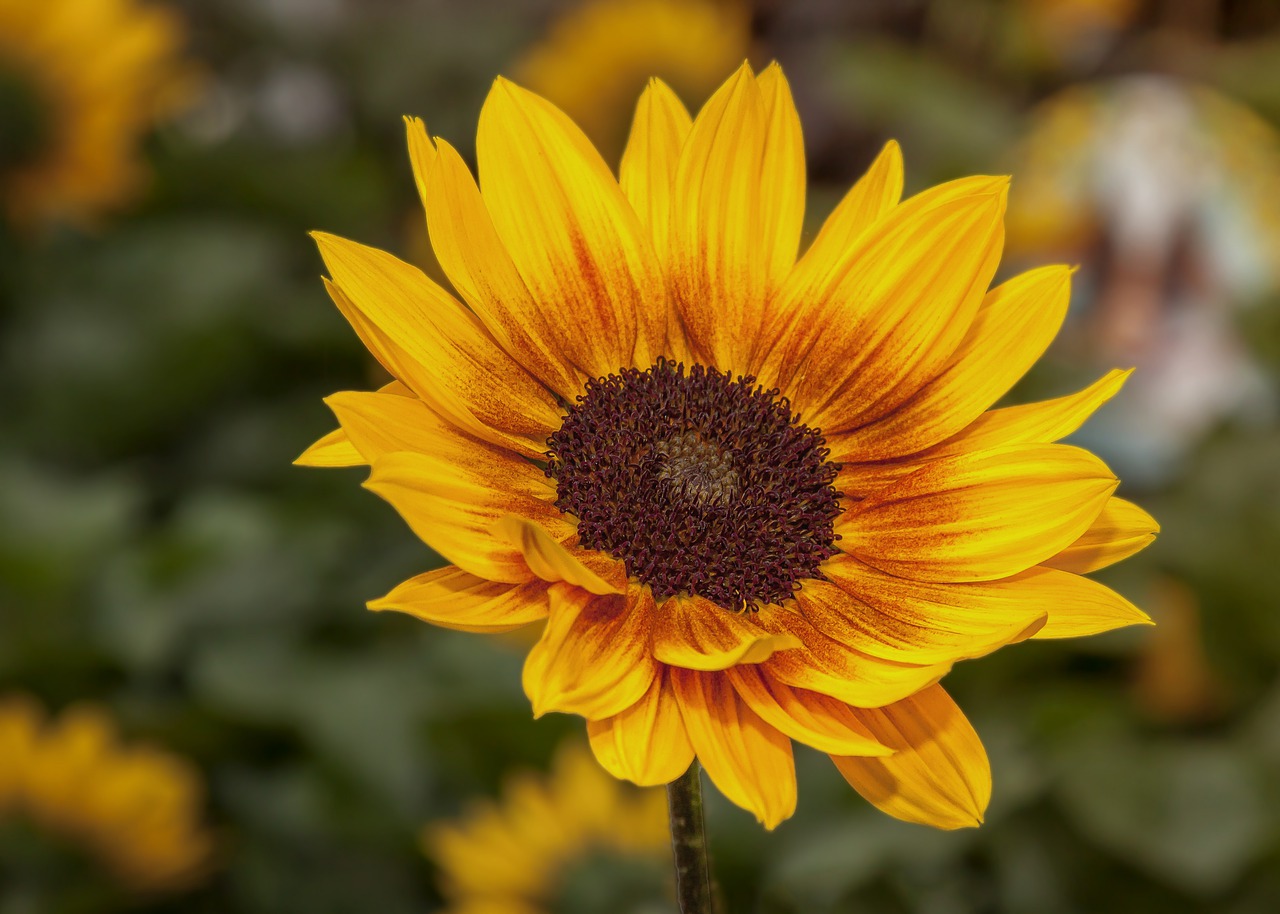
(440, 350)
(978, 517)
(379, 423)
(1012, 329)
(914, 622)
(782, 176)
(749, 760)
(1078, 606)
(593, 658)
(422, 154)
(811, 718)
(476, 262)
(452, 497)
(1118, 532)
(333, 450)
(452, 598)
(571, 233)
(1033, 423)
(938, 775)
(873, 195)
(827, 665)
(696, 634)
(551, 561)
(718, 262)
(648, 171)
(647, 743)
(897, 313)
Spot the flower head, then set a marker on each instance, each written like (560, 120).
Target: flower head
(556, 835)
(135, 808)
(80, 82)
(756, 497)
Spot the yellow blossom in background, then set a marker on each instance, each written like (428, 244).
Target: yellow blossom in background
(597, 56)
(554, 842)
(81, 82)
(135, 808)
(754, 494)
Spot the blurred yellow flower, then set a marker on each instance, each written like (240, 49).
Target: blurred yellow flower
(80, 82)
(756, 496)
(135, 808)
(572, 840)
(598, 56)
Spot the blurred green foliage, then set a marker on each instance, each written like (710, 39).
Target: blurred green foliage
(159, 554)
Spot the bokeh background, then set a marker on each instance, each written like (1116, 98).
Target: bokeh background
(173, 588)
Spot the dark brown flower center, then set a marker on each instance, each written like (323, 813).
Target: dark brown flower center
(700, 483)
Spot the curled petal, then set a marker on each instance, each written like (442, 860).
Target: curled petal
(593, 658)
(1121, 530)
(552, 561)
(452, 598)
(812, 718)
(938, 774)
(647, 743)
(696, 634)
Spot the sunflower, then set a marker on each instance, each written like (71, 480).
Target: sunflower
(134, 808)
(599, 54)
(563, 839)
(80, 82)
(754, 497)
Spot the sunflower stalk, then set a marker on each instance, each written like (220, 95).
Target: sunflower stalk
(689, 842)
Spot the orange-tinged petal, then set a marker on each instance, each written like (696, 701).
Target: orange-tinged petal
(648, 170)
(593, 658)
(718, 260)
(440, 350)
(552, 561)
(647, 743)
(896, 308)
(696, 634)
(571, 233)
(911, 621)
(452, 598)
(978, 517)
(873, 195)
(831, 667)
(749, 760)
(812, 718)
(1033, 423)
(938, 775)
(1012, 329)
(1121, 530)
(332, 450)
(476, 262)
(782, 176)
(452, 497)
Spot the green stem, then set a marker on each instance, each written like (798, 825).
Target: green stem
(689, 842)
